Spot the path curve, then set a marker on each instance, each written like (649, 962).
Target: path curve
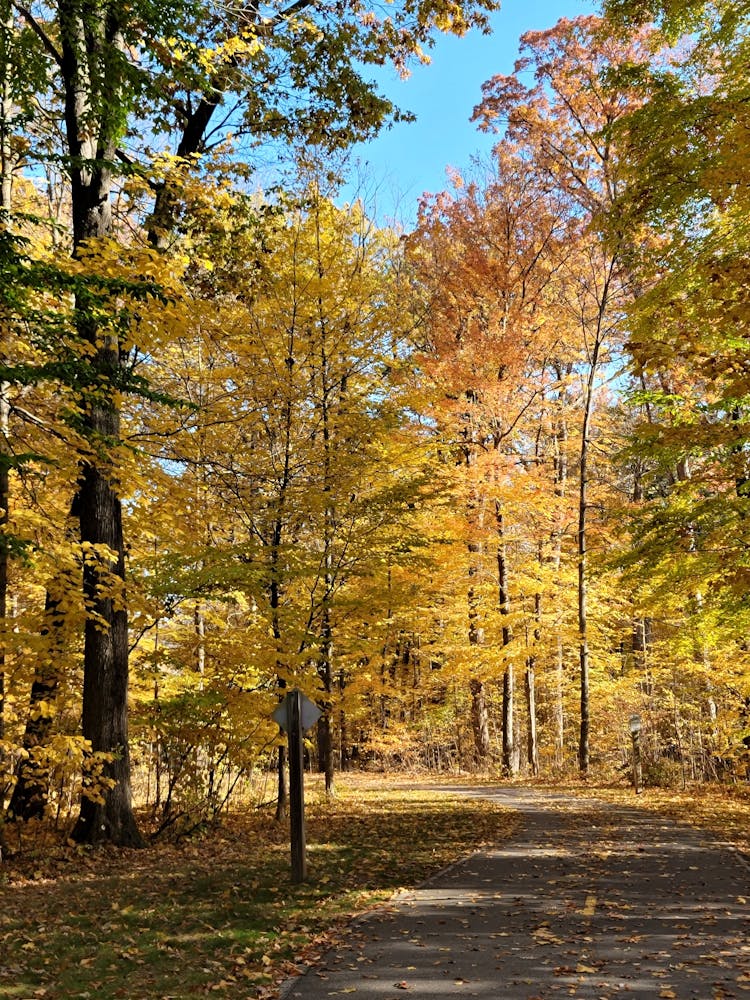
(587, 900)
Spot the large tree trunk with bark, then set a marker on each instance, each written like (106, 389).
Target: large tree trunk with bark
(105, 681)
(90, 40)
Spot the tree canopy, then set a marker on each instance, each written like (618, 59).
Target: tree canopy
(480, 490)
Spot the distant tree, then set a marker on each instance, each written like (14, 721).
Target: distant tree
(563, 122)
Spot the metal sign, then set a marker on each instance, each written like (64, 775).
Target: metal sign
(309, 712)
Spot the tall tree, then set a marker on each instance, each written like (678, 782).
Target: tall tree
(488, 350)
(563, 122)
(686, 198)
(191, 71)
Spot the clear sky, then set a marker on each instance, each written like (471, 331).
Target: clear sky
(411, 158)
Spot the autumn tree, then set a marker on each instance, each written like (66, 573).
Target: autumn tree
(295, 478)
(563, 121)
(187, 73)
(489, 354)
(685, 198)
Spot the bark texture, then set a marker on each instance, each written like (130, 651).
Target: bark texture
(91, 67)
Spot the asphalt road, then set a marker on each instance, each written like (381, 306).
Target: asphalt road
(587, 900)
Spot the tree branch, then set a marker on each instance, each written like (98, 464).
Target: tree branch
(39, 32)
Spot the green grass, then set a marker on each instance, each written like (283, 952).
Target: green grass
(219, 916)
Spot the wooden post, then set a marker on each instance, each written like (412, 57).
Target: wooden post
(637, 762)
(635, 725)
(296, 788)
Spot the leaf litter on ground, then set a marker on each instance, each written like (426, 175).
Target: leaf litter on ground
(219, 916)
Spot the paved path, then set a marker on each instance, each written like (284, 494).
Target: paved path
(587, 900)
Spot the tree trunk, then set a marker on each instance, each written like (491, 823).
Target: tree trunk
(282, 790)
(31, 790)
(479, 717)
(325, 666)
(325, 739)
(509, 681)
(531, 740)
(479, 720)
(105, 680)
(560, 440)
(583, 646)
(4, 547)
(275, 582)
(583, 485)
(325, 674)
(90, 40)
(559, 702)
(509, 743)
(6, 190)
(343, 727)
(530, 685)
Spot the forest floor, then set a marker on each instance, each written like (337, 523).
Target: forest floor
(218, 916)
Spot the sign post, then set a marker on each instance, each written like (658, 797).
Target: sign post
(296, 788)
(295, 714)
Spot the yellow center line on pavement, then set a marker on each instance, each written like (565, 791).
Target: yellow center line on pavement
(589, 907)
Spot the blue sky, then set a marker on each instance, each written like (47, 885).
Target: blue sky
(411, 158)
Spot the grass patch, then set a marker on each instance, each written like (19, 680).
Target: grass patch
(219, 916)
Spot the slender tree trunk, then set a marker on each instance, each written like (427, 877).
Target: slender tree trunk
(4, 549)
(479, 720)
(32, 783)
(530, 685)
(343, 727)
(325, 737)
(275, 584)
(561, 481)
(156, 744)
(583, 644)
(559, 701)
(6, 190)
(583, 507)
(199, 622)
(7, 157)
(282, 788)
(509, 743)
(325, 665)
(479, 714)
